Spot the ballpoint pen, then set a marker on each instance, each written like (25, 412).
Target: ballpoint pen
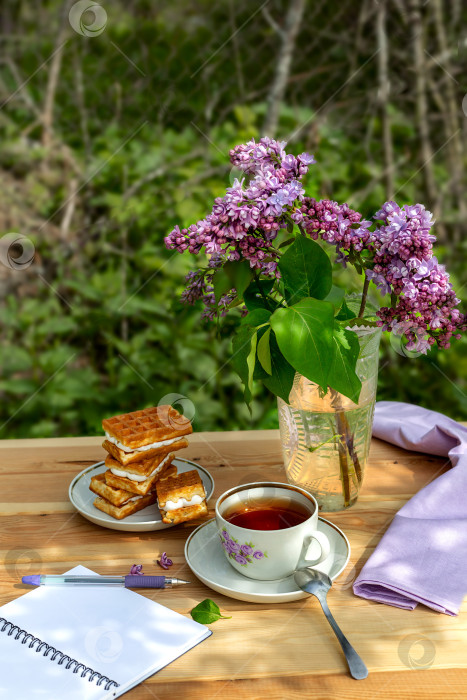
(129, 581)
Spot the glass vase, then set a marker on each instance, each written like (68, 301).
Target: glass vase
(326, 438)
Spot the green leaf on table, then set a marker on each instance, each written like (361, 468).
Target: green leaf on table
(207, 612)
(221, 283)
(304, 334)
(240, 275)
(264, 353)
(342, 376)
(306, 271)
(253, 295)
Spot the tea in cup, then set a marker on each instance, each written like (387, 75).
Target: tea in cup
(270, 529)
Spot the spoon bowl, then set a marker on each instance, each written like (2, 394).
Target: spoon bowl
(318, 584)
(312, 581)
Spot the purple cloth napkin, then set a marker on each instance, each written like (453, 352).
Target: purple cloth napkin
(422, 557)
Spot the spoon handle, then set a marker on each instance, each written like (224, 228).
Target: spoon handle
(357, 668)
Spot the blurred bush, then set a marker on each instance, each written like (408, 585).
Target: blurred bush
(128, 134)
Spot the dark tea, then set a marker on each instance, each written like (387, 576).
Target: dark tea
(272, 514)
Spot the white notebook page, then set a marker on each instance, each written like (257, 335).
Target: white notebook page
(116, 632)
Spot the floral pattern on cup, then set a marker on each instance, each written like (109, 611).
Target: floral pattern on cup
(242, 553)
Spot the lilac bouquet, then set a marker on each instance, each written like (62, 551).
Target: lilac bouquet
(263, 257)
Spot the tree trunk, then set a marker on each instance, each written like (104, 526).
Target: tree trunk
(54, 74)
(450, 116)
(284, 62)
(421, 107)
(383, 98)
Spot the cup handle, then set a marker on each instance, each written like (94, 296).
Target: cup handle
(323, 542)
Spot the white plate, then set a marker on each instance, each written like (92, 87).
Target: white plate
(206, 559)
(147, 519)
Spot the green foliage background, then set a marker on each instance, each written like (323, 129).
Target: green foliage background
(144, 116)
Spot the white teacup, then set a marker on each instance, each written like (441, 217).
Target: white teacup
(270, 554)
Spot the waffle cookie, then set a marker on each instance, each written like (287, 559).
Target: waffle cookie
(116, 495)
(120, 512)
(138, 487)
(151, 426)
(138, 456)
(174, 517)
(138, 471)
(181, 498)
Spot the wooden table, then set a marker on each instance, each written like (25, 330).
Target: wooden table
(281, 652)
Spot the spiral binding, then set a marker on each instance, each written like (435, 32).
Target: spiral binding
(56, 654)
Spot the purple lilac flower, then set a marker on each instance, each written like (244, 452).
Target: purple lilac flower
(137, 570)
(379, 281)
(244, 223)
(337, 224)
(258, 555)
(403, 261)
(164, 561)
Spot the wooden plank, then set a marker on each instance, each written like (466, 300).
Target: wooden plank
(409, 685)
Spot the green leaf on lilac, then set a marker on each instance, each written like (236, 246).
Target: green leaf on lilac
(354, 301)
(304, 334)
(207, 612)
(240, 275)
(284, 244)
(336, 296)
(252, 296)
(282, 373)
(251, 361)
(241, 350)
(221, 283)
(235, 302)
(342, 376)
(264, 353)
(306, 271)
(256, 317)
(345, 313)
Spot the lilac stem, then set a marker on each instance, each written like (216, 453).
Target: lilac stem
(366, 284)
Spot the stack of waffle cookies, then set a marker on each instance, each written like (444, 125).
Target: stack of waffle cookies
(141, 446)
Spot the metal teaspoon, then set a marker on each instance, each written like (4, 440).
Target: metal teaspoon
(318, 584)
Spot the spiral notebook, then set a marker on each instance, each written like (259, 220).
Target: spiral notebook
(87, 643)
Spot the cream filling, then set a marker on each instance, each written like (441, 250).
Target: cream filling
(135, 498)
(139, 477)
(143, 448)
(183, 503)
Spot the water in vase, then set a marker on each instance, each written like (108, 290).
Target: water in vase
(326, 438)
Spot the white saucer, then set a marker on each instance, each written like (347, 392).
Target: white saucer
(147, 519)
(206, 559)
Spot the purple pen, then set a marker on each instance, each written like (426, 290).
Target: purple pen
(129, 581)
